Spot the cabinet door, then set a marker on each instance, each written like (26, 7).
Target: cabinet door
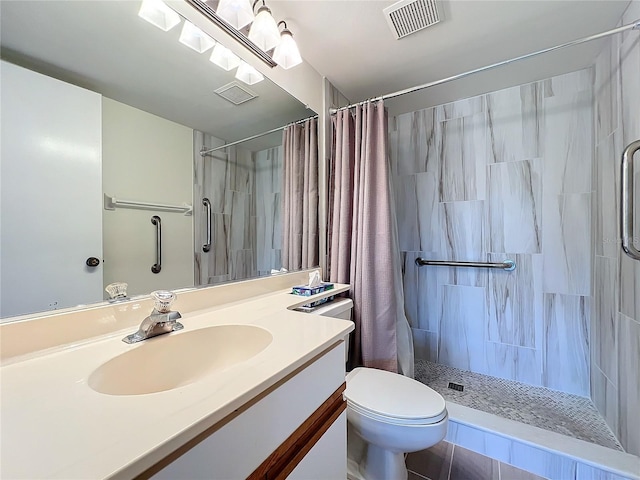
(328, 457)
(51, 186)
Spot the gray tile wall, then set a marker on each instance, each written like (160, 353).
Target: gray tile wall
(615, 320)
(229, 181)
(506, 175)
(268, 179)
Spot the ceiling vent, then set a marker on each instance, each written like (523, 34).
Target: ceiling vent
(235, 93)
(410, 16)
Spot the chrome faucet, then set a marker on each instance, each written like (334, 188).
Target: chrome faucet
(162, 320)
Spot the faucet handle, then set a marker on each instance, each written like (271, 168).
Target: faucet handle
(163, 299)
(117, 291)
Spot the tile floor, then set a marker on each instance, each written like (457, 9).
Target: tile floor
(446, 461)
(541, 407)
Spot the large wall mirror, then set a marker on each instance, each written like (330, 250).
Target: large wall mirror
(103, 119)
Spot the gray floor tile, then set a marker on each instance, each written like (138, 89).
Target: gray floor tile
(468, 465)
(507, 472)
(432, 463)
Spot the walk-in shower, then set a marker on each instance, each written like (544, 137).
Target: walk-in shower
(531, 175)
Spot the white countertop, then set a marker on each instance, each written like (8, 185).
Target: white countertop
(55, 426)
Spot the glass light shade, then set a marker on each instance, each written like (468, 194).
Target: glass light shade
(195, 38)
(264, 31)
(237, 13)
(158, 14)
(224, 58)
(248, 74)
(287, 54)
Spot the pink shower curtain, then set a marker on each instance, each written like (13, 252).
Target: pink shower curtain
(300, 196)
(362, 249)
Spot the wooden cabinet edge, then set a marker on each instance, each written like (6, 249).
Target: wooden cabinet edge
(291, 452)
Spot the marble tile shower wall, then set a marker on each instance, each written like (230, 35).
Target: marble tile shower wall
(268, 181)
(615, 323)
(228, 181)
(506, 175)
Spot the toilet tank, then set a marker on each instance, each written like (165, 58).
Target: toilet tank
(339, 308)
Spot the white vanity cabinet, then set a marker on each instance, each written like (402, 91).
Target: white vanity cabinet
(296, 429)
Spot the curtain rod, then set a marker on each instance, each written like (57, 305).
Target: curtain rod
(204, 152)
(631, 26)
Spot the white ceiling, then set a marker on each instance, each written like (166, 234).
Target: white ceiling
(351, 44)
(104, 46)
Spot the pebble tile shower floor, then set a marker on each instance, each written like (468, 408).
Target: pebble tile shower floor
(541, 407)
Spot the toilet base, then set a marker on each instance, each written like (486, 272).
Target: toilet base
(353, 470)
(381, 464)
(370, 462)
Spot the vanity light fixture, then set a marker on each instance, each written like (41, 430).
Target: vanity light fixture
(195, 38)
(264, 31)
(286, 53)
(159, 14)
(224, 58)
(248, 74)
(238, 13)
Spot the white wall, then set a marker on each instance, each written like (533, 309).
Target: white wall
(146, 158)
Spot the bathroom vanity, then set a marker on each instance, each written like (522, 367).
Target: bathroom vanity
(249, 389)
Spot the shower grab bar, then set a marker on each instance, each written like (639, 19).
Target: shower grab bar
(207, 205)
(111, 203)
(158, 223)
(508, 265)
(627, 199)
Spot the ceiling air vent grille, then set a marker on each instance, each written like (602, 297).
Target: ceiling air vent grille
(410, 16)
(236, 93)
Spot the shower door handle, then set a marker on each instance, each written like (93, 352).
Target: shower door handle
(207, 205)
(627, 200)
(158, 223)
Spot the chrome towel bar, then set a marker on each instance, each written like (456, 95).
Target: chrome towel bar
(627, 199)
(507, 265)
(111, 203)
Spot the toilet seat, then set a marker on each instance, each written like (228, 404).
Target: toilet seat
(392, 398)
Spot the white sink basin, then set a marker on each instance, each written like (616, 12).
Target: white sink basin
(175, 360)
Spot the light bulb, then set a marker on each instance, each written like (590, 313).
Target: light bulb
(248, 74)
(158, 14)
(287, 54)
(224, 58)
(264, 30)
(195, 38)
(237, 13)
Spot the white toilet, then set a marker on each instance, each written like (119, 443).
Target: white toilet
(388, 415)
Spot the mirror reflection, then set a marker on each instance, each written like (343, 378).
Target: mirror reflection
(103, 120)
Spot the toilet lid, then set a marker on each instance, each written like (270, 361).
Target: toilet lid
(389, 395)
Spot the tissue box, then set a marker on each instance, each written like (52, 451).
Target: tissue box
(306, 291)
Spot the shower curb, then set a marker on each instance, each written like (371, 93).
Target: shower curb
(545, 453)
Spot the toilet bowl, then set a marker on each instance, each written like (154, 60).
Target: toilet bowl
(388, 415)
